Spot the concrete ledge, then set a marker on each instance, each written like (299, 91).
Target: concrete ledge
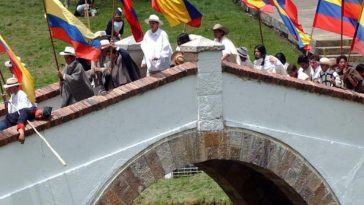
(95, 103)
(286, 81)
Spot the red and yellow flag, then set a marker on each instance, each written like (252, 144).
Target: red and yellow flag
(19, 70)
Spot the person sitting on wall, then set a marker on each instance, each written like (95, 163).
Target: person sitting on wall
(281, 57)
(327, 75)
(75, 86)
(305, 72)
(230, 53)
(19, 108)
(356, 80)
(266, 62)
(121, 69)
(292, 71)
(315, 64)
(118, 25)
(244, 57)
(156, 47)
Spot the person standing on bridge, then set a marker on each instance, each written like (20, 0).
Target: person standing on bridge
(74, 83)
(156, 47)
(230, 53)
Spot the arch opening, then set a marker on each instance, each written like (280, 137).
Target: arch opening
(250, 167)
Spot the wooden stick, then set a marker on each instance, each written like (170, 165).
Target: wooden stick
(184, 28)
(87, 16)
(50, 35)
(48, 145)
(112, 22)
(41, 136)
(260, 27)
(342, 28)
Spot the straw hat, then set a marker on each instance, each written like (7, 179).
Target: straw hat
(104, 43)
(68, 51)
(11, 82)
(100, 33)
(153, 18)
(8, 63)
(325, 61)
(221, 27)
(177, 58)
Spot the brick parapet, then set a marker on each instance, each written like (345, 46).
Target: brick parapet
(287, 81)
(95, 103)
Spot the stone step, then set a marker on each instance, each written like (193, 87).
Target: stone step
(332, 50)
(354, 58)
(333, 42)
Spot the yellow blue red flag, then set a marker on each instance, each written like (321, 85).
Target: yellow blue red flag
(358, 40)
(66, 27)
(178, 11)
(288, 12)
(19, 70)
(263, 5)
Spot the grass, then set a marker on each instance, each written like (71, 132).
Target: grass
(198, 189)
(24, 28)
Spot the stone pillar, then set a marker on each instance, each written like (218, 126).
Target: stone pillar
(207, 55)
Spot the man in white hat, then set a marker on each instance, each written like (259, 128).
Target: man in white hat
(98, 68)
(327, 76)
(156, 47)
(229, 53)
(9, 65)
(75, 85)
(118, 24)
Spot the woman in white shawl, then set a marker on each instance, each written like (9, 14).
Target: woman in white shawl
(266, 62)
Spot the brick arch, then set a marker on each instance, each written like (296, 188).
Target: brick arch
(273, 159)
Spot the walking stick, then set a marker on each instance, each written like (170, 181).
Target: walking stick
(54, 152)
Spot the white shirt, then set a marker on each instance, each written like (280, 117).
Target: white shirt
(20, 101)
(230, 48)
(156, 45)
(307, 74)
(271, 65)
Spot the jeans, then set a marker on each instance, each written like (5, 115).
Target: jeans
(4, 124)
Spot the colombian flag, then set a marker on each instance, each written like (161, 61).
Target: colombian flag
(329, 12)
(20, 72)
(288, 12)
(178, 11)
(263, 5)
(132, 19)
(66, 27)
(358, 41)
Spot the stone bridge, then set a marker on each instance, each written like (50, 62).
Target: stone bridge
(265, 139)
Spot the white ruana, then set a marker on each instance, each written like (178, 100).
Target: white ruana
(230, 49)
(157, 50)
(271, 65)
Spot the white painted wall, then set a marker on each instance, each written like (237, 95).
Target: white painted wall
(326, 131)
(94, 146)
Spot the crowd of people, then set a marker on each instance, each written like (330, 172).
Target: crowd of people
(81, 78)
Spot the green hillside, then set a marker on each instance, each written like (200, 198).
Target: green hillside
(24, 27)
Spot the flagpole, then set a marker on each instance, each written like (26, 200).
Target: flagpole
(260, 27)
(50, 35)
(87, 16)
(112, 22)
(342, 27)
(1, 87)
(184, 28)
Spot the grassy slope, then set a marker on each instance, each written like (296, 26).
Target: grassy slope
(197, 189)
(24, 28)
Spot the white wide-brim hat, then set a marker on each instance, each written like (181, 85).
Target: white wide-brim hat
(68, 51)
(11, 82)
(8, 63)
(154, 18)
(105, 43)
(325, 61)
